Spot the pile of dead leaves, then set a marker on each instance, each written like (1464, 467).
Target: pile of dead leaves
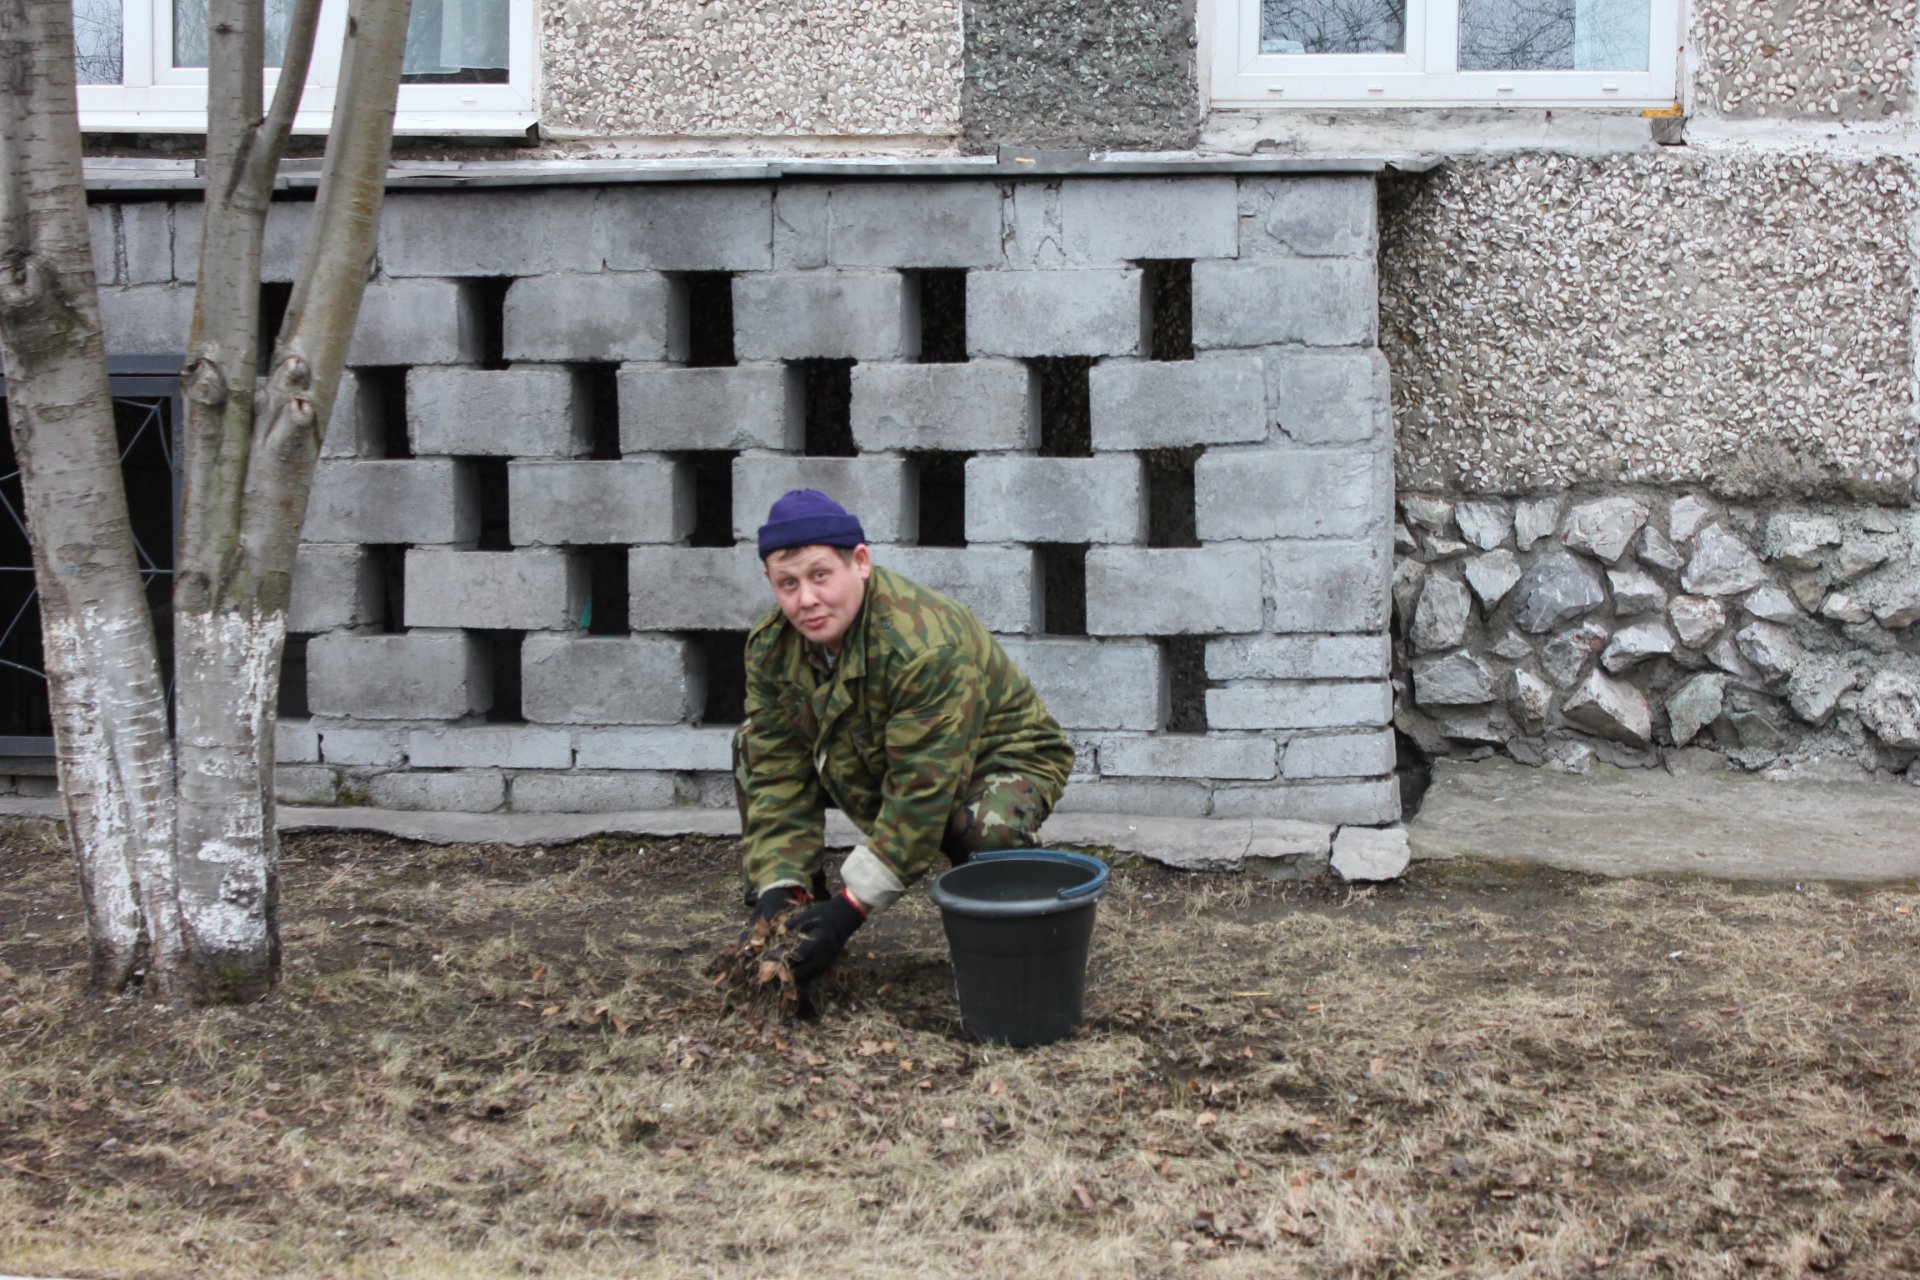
(754, 975)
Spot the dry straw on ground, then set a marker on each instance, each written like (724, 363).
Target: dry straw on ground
(487, 1062)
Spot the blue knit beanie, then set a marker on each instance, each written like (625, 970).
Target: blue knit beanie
(808, 518)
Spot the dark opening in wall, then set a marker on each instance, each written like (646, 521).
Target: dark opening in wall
(1168, 296)
(600, 385)
(709, 301)
(1066, 410)
(943, 498)
(390, 575)
(381, 392)
(1063, 587)
(274, 296)
(826, 398)
(503, 663)
(485, 297)
(723, 657)
(943, 316)
(292, 704)
(607, 590)
(1186, 658)
(1414, 770)
(712, 472)
(1171, 519)
(491, 475)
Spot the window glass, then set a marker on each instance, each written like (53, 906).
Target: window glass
(96, 41)
(1333, 26)
(190, 32)
(1547, 35)
(456, 42)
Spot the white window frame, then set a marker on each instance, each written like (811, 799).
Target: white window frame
(154, 96)
(1426, 74)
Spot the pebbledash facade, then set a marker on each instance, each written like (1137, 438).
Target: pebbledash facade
(1275, 441)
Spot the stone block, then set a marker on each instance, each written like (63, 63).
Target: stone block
(1309, 216)
(695, 588)
(528, 231)
(103, 242)
(408, 500)
(1329, 586)
(1279, 491)
(464, 791)
(364, 748)
(606, 318)
(415, 322)
(888, 224)
(515, 746)
(876, 489)
(709, 227)
(1286, 704)
(497, 413)
(533, 590)
(1367, 854)
(295, 742)
(585, 503)
(335, 585)
(1339, 755)
(980, 405)
(577, 792)
(306, 784)
(684, 749)
(1174, 591)
(1182, 755)
(1299, 657)
(574, 679)
(346, 435)
(405, 677)
(1055, 313)
(1319, 302)
(1159, 799)
(867, 315)
(146, 239)
(1025, 499)
(1330, 397)
(745, 407)
(1154, 404)
(1095, 684)
(282, 247)
(148, 319)
(1110, 220)
(1001, 585)
(1372, 801)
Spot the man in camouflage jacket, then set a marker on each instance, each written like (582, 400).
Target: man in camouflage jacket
(874, 695)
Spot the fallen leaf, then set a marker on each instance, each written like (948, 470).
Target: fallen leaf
(1377, 1068)
(550, 1010)
(996, 1089)
(1206, 1119)
(1080, 1194)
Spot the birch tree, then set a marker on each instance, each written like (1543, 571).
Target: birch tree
(173, 834)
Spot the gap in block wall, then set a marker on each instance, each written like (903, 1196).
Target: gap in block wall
(712, 478)
(382, 400)
(600, 386)
(1171, 518)
(943, 315)
(826, 399)
(607, 599)
(1066, 406)
(708, 298)
(292, 700)
(943, 498)
(389, 569)
(1168, 295)
(722, 656)
(491, 480)
(1063, 587)
(485, 298)
(1186, 658)
(274, 297)
(503, 665)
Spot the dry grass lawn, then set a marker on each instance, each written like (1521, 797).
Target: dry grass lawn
(489, 1062)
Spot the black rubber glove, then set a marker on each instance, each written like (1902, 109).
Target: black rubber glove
(774, 903)
(824, 928)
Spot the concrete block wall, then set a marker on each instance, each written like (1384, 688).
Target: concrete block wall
(1169, 420)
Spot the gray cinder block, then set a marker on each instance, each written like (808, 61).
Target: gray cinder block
(695, 588)
(979, 405)
(865, 315)
(1153, 404)
(1158, 798)
(1026, 499)
(1283, 492)
(148, 319)
(574, 679)
(367, 748)
(746, 407)
(1329, 586)
(600, 317)
(1174, 591)
(306, 784)
(498, 232)
(530, 590)
(513, 413)
(335, 585)
(1340, 755)
(464, 791)
(282, 246)
(999, 584)
(422, 501)
(575, 792)
(346, 435)
(415, 322)
(890, 224)
(682, 749)
(717, 227)
(583, 503)
(404, 677)
(1108, 220)
(1299, 657)
(295, 742)
(1330, 397)
(1301, 705)
(877, 489)
(1327, 302)
(1309, 215)
(1095, 684)
(146, 234)
(506, 746)
(1183, 755)
(1355, 803)
(1055, 313)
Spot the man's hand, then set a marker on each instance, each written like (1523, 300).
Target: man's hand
(774, 903)
(824, 929)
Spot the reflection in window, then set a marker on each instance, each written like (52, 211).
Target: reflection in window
(96, 41)
(456, 42)
(1333, 26)
(190, 32)
(1539, 35)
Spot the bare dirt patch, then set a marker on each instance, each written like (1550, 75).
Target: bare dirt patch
(486, 1061)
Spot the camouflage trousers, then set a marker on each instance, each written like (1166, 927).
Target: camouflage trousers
(997, 811)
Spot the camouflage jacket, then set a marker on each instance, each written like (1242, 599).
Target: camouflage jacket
(922, 700)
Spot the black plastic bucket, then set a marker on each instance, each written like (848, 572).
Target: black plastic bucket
(1019, 922)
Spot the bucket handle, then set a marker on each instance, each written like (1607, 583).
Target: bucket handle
(1069, 893)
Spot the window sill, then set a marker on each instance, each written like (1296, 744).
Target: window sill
(1395, 133)
(513, 125)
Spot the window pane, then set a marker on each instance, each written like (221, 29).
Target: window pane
(1540, 35)
(190, 32)
(456, 42)
(1333, 26)
(96, 41)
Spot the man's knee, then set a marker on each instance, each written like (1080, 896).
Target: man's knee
(1004, 812)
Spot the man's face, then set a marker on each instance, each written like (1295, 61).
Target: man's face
(819, 592)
